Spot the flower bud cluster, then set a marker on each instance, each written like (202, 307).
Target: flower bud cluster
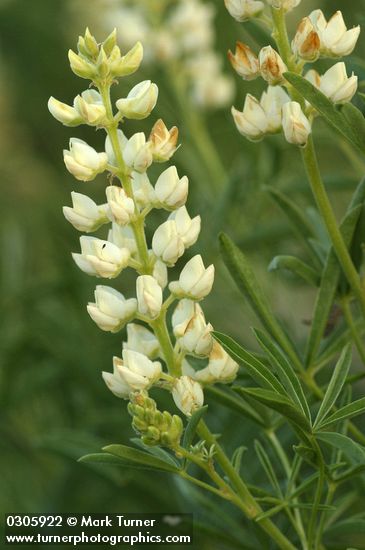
(149, 356)
(315, 37)
(182, 36)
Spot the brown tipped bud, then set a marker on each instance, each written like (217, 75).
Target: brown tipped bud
(272, 66)
(306, 43)
(244, 61)
(163, 141)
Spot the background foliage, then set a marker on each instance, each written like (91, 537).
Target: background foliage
(54, 406)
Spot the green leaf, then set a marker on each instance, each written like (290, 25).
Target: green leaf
(268, 467)
(350, 448)
(156, 451)
(325, 107)
(191, 428)
(285, 372)
(336, 384)
(271, 512)
(259, 372)
(299, 221)
(102, 458)
(237, 458)
(135, 457)
(348, 411)
(356, 121)
(279, 403)
(297, 267)
(244, 277)
(350, 473)
(230, 400)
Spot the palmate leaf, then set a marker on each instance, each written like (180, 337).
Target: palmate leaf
(133, 457)
(347, 123)
(348, 411)
(258, 371)
(335, 386)
(286, 373)
(297, 267)
(279, 403)
(246, 281)
(350, 448)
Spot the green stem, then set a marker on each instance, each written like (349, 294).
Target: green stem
(312, 545)
(280, 35)
(330, 494)
(162, 334)
(346, 308)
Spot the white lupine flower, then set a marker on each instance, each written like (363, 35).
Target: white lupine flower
(143, 191)
(163, 141)
(272, 101)
(287, 5)
(85, 215)
(181, 316)
(190, 23)
(64, 113)
(221, 367)
(140, 101)
(171, 191)
(82, 161)
(242, 10)
(306, 43)
(141, 339)
(296, 126)
(197, 338)
(212, 90)
(337, 86)
(252, 121)
(90, 107)
(188, 395)
(111, 311)
(120, 206)
(167, 243)
(195, 280)
(116, 384)
(244, 61)
(160, 273)
(188, 229)
(137, 153)
(272, 66)
(122, 139)
(101, 258)
(313, 77)
(336, 40)
(149, 296)
(123, 237)
(137, 370)
(128, 63)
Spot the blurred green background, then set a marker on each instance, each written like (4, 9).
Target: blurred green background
(54, 406)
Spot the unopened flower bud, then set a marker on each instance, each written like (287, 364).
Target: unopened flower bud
(252, 121)
(116, 384)
(90, 107)
(286, 5)
(244, 62)
(82, 161)
(80, 66)
(143, 191)
(167, 243)
(149, 296)
(85, 215)
(140, 101)
(272, 67)
(111, 311)
(195, 280)
(188, 395)
(313, 77)
(101, 258)
(110, 42)
(90, 44)
(64, 113)
(122, 142)
(120, 206)
(296, 126)
(221, 367)
(129, 63)
(160, 273)
(181, 316)
(272, 101)
(137, 370)
(337, 86)
(163, 141)
(306, 43)
(242, 10)
(336, 40)
(141, 339)
(123, 237)
(170, 190)
(102, 64)
(188, 229)
(137, 153)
